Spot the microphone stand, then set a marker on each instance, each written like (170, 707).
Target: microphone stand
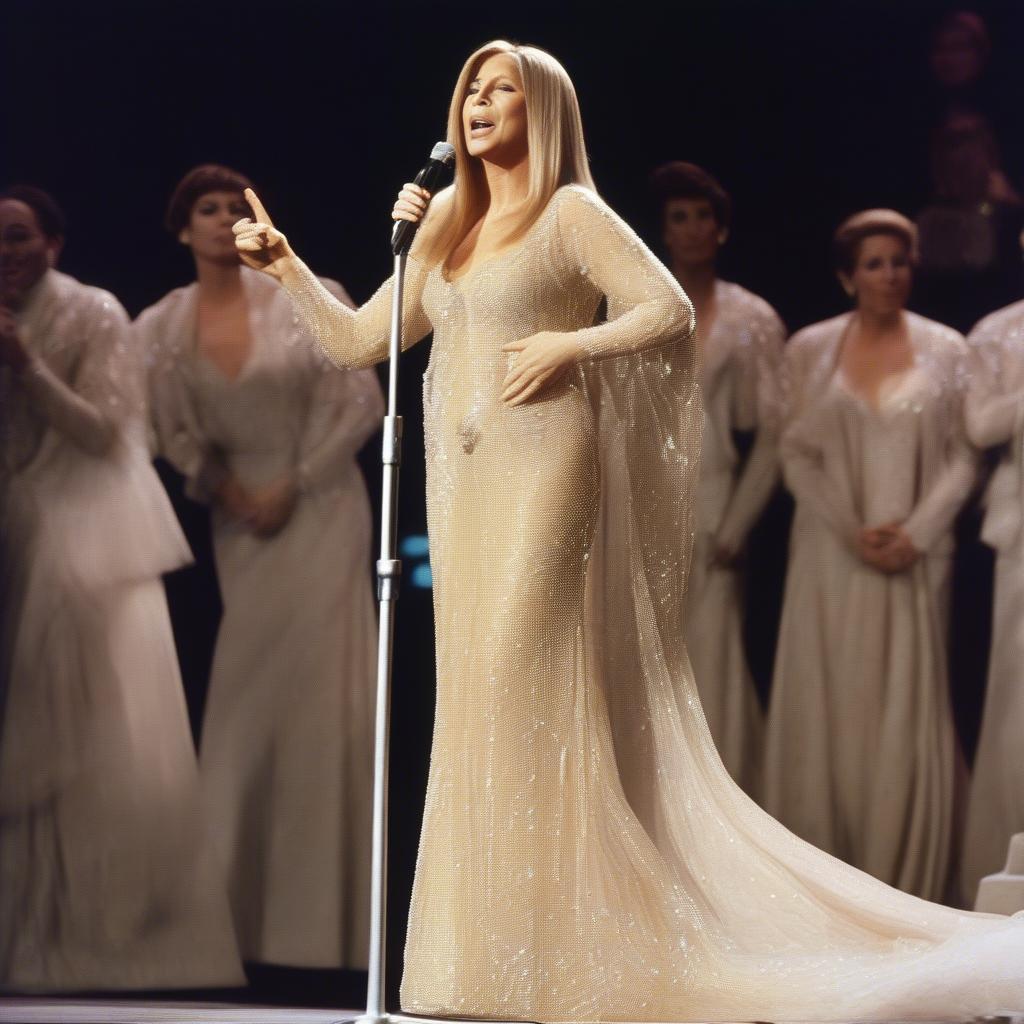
(389, 574)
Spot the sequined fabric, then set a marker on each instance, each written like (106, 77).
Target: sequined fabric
(560, 539)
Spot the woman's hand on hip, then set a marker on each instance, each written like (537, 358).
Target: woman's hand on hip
(541, 359)
(260, 245)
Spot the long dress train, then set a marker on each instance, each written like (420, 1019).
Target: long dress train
(563, 875)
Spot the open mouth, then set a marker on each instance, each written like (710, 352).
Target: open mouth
(480, 126)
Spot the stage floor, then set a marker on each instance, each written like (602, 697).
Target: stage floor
(82, 1011)
(94, 1011)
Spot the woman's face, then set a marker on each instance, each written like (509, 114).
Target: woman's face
(882, 275)
(692, 235)
(25, 252)
(494, 113)
(209, 231)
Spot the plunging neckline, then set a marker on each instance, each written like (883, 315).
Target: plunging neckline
(501, 253)
(877, 404)
(199, 354)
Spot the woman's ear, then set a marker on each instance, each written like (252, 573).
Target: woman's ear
(848, 286)
(53, 251)
(723, 236)
(185, 236)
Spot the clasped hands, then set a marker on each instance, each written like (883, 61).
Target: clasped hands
(887, 548)
(264, 512)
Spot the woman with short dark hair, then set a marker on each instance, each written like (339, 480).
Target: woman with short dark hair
(861, 748)
(266, 432)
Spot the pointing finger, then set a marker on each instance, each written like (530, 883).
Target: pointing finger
(260, 213)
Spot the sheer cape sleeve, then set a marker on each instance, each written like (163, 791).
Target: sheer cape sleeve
(642, 384)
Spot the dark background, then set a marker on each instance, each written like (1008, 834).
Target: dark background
(806, 111)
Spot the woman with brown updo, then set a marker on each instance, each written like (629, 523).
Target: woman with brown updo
(266, 432)
(861, 747)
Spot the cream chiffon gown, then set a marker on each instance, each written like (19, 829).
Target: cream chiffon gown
(995, 416)
(739, 369)
(285, 751)
(585, 855)
(106, 878)
(861, 746)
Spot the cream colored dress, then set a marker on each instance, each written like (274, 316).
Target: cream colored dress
(739, 370)
(575, 864)
(861, 744)
(106, 878)
(995, 416)
(286, 746)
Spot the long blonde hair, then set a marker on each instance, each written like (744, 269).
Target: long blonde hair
(554, 132)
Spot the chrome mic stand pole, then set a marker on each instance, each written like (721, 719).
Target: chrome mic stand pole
(389, 573)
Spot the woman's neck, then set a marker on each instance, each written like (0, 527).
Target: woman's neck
(218, 281)
(879, 326)
(697, 281)
(507, 186)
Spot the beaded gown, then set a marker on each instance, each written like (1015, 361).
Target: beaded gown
(740, 357)
(285, 752)
(995, 417)
(585, 855)
(106, 877)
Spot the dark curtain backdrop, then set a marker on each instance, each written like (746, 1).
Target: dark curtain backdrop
(806, 111)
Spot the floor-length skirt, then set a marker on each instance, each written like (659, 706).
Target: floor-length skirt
(286, 753)
(577, 864)
(861, 747)
(996, 803)
(107, 879)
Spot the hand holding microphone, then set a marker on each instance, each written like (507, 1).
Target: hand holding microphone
(412, 201)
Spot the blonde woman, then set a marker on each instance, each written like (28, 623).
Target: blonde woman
(584, 855)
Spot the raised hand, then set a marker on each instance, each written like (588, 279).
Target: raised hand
(411, 204)
(260, 245)
(542, 358)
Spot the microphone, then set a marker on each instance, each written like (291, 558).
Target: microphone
(442, 159)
